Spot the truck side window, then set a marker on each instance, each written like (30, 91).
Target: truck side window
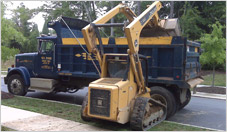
(46, 46)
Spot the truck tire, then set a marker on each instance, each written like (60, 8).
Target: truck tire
(170, 99)
(84, 104)
(16, 85)
(188, 96)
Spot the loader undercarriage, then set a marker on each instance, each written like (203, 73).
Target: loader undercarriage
(147, 113)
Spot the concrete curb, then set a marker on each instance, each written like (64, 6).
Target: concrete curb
(209, 95)
(210, 86)
(3, 75)
(194, 126)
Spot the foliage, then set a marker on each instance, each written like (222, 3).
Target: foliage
(21, 17)
(7, 53)
(195, 18)
(8, 32)
(45, 28)
(191, 19)
(32, 46)
(3, 128)
(198, 15)
(74, 9)
(214, 46)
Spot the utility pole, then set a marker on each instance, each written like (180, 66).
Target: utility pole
(112, 20)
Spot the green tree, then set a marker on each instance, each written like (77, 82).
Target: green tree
(191, 21)
(45, 28)
(8, 32)
(7, 53)
(32, 47)
(214, 47)
(21, 17)
(73, 9)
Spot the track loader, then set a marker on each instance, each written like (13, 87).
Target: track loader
(121, 94)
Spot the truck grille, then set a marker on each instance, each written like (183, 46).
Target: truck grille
(100, 102)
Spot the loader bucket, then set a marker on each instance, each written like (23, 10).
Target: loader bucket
(167, 27)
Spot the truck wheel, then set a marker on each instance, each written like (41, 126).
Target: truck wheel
(16, 85)
(84, 104)
(171, 101)
(188, 98)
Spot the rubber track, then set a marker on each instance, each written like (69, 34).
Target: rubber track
(138, 113)
(137, 117)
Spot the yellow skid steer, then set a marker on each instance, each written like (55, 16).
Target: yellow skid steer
(121, 94)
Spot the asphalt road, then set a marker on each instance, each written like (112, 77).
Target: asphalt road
(204, 112)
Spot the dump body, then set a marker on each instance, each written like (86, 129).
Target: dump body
(172, 62)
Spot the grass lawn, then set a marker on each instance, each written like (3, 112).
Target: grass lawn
(3, 73)
(3, 128)
(220, 79)
(72, 112)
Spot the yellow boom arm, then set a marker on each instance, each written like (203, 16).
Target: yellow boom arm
(148, 17)
(133, 30)
(89, 31)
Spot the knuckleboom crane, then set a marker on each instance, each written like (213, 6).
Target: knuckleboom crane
(121, 95)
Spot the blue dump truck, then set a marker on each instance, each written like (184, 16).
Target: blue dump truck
(60, 64)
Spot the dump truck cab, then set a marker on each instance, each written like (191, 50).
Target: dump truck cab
(42, 62)
(50, 64)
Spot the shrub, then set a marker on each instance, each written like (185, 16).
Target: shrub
(8, 53)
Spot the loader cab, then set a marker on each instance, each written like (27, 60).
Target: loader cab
(118, 66)
(46, 56)
(114, 66)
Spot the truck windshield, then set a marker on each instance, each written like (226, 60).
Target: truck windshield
(46, 46)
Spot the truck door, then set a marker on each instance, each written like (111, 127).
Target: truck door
(46, 58)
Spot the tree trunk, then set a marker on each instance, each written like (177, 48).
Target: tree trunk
(138, 8)
(112, 20)
(213, 76)
(171, 9)
(93, 7)
(87, 10)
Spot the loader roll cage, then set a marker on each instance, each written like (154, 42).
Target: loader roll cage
(123, 72)
(96, 26)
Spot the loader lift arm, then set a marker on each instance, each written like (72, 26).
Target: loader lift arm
(90, 32)
(148, 17)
